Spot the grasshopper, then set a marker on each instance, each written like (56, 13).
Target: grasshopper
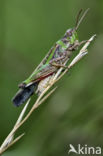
(56, 58)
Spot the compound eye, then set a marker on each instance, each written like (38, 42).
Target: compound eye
(70, 32)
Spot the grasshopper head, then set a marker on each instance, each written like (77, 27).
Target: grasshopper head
(71, 35)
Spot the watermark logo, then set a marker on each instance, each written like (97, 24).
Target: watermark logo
(85, 150)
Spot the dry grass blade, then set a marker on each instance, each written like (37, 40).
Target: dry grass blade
(13, 142)
(9, 139)
(52, 91)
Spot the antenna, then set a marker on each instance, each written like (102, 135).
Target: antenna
(78, 22)
(77, 18)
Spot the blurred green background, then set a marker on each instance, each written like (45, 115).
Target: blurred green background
(74, 113)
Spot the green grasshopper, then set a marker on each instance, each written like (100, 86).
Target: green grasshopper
(56, 58)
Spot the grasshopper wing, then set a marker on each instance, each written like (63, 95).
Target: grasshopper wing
(42, 74)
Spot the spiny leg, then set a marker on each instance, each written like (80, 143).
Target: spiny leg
(82, 42)
(77, 44)
(57, 59)
(59, 65)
